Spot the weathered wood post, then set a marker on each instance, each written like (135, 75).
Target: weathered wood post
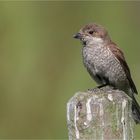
(100, 114)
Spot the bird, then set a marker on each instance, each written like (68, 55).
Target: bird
(106, 63)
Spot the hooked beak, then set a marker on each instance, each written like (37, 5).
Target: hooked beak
(77, 36)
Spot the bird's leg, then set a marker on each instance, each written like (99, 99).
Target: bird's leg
(102, 86)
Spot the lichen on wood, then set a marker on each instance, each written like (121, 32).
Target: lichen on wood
(100, 114)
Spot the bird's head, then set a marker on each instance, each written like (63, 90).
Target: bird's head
(92, 34)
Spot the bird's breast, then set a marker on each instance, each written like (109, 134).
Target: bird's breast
(97, 58)
(100, 60)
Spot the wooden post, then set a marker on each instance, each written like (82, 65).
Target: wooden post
(100, 114)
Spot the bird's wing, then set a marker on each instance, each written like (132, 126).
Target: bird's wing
(120, 56)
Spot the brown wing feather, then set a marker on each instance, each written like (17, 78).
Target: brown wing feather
(120, 56)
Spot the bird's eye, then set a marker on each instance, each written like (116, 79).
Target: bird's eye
(91, 32)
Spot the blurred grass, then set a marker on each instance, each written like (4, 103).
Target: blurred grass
(41, 64)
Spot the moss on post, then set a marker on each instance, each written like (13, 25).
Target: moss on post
(100, 114)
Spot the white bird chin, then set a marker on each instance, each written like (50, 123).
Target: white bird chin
(93, 40)
(97, 40)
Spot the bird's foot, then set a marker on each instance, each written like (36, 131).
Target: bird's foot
(102, 86)
(97, 88)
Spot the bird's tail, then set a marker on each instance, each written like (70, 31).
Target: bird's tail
(136, 111)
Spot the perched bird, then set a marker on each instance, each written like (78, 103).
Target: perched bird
(105, 62)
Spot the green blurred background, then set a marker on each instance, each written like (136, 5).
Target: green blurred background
(41, 64)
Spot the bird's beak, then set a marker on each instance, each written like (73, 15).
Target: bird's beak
(77, 36)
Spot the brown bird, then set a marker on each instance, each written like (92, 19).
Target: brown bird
(105, 62)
